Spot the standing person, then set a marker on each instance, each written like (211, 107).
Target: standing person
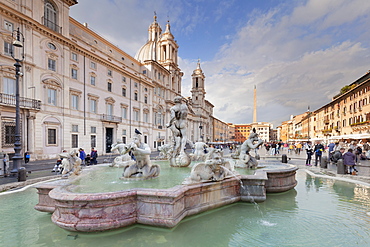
(26, 157)
(366, 146)
(331, 147)
(358, 153)
(337, 147)
(5, 160)
(309, 152)
(319, 148)
(273, 148)
(349, 161)
(82, 156)
(298, 148)
(93, 156)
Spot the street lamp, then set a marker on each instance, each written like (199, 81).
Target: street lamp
(308, 114)
(18, 42)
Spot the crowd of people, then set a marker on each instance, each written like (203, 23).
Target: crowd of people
(350, 152)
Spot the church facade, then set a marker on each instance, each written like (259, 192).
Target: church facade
(79, 90)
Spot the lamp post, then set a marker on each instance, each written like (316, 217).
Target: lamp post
(18, 41)
(308, 114)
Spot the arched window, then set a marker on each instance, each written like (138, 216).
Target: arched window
(50, 16)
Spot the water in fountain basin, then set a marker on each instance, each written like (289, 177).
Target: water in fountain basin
(317, 211)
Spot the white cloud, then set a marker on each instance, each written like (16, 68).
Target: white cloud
(292, 68)
(298, 53)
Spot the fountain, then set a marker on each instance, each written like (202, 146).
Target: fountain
(211, 184)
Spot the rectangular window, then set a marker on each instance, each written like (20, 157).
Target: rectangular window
(92, 80)
(136, 115)
(124, 139)
(144, 72)
(135, 84)
(109, 87)
(124, 132)
(9, 86)
(74, 102)
(136, 96)
(52, 136)
(93, 65)
(123, 79)
(124, 112)
(8, 26)
(74, 57)
(51, 64)
(146, 117)
(74, 128)
(93, 105)
(109, 72)
(7, 48)
(93, 129)
(74, 141)
(8, 134)
(124, 92)
(52, 96)
(93, 141)
(74, 74)
(109, 109)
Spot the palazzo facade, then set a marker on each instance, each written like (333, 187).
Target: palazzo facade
(79, 90)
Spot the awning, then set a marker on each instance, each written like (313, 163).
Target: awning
(353, 136)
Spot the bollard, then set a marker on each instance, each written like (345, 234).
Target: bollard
(284, 158)
(22, 174)
(340, 167)
(324, 162)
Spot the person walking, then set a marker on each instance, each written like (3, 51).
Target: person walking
(318, 150)
(82, 156)
(309, 152)
(93, 156)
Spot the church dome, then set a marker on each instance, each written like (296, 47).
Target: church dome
(146, 52)
(149, 50)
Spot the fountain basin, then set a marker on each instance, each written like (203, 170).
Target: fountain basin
(89, 212)
(165, 208)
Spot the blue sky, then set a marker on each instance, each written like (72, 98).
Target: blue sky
(298, 53)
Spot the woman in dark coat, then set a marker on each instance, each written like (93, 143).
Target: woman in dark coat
(349, 160)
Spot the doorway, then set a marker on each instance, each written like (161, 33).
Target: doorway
(108, 139)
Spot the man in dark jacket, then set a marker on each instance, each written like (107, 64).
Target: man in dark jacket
(318, 150)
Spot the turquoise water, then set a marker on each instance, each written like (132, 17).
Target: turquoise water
(105, 178)
(318, 212)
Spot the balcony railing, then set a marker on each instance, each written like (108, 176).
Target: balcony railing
(110, 118)
(9, 100)
(53, 26)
